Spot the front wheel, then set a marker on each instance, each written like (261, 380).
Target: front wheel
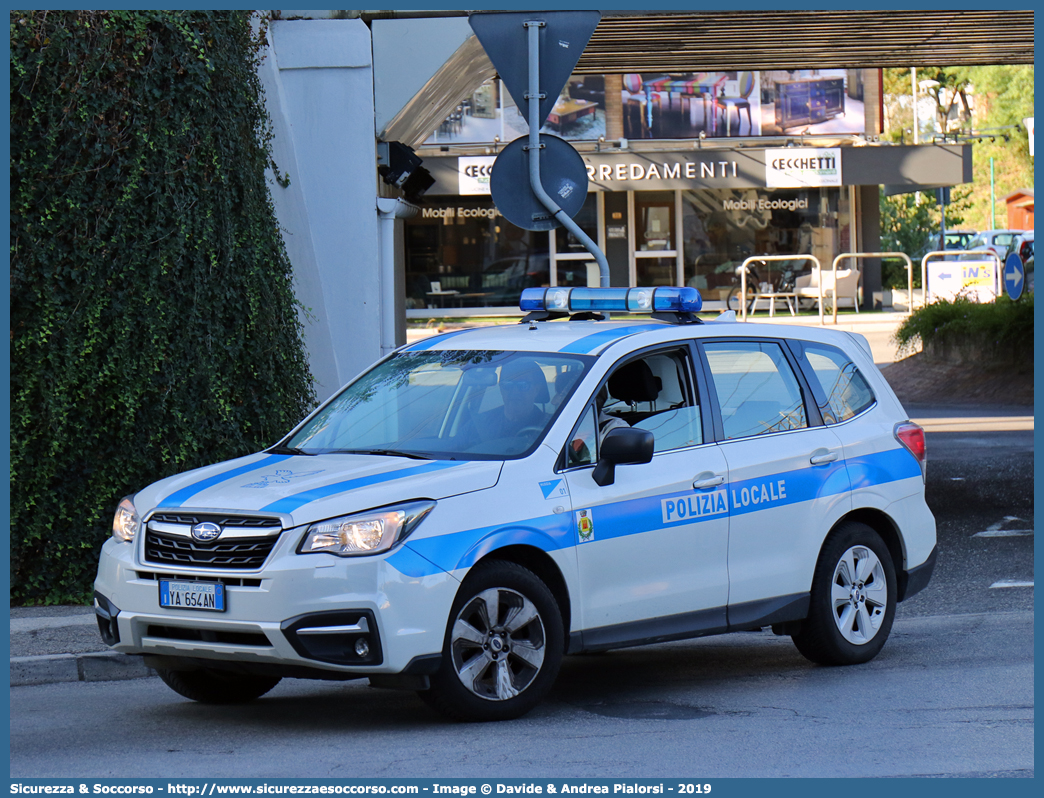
(853, 599)
(503, 647)
(212, 686)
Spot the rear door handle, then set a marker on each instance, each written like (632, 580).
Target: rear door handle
(823, 458)
(708, 482)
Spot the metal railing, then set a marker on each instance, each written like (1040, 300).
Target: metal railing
(863, 256)
(766, 258)
(986, 254)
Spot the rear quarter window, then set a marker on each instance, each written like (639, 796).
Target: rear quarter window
(847, 391)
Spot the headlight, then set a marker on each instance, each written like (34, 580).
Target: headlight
(125, 524)
(365, 533)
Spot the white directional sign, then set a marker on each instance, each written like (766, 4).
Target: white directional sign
(974, 279)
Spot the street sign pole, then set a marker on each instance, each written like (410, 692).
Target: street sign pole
(534, 97)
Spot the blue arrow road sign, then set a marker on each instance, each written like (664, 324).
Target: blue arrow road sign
(1014, 275)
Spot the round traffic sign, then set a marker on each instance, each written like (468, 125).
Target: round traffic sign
(563, 175)
(1014, 275)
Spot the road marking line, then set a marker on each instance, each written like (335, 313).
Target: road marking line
(1010, 583)
(995, 531)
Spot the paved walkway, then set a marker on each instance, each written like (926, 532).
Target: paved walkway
(877, 327)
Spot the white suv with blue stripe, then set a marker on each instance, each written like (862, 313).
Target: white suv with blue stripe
(481, 503)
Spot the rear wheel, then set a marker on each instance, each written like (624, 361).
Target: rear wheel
(853, 599)
(210, 686)
(503, 646)
(733, 300)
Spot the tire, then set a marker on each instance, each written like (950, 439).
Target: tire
(853, 599)
(211, 686)
(501, 668)
(732, 302)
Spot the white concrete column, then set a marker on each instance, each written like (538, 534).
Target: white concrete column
(318, 79)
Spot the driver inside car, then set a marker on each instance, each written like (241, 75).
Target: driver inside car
(523, 388)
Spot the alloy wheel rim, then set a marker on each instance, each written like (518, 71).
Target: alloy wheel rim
(859, 595)
(497, 644)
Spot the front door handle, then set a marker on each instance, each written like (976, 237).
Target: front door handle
(708, 481)
(821, 458)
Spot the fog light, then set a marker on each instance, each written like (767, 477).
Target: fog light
(362, 648)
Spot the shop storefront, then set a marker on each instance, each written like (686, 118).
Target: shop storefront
(665, 212)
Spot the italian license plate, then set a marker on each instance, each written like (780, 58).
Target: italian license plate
(178, 595)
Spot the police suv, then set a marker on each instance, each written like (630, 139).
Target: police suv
(479, 504)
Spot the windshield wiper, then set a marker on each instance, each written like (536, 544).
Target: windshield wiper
(289, 450)
(388, 452)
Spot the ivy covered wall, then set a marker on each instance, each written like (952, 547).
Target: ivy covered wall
(154, 327)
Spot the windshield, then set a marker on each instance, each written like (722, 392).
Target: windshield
(446, 405)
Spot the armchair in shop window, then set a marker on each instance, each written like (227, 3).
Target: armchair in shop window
(806, 287)
(740, 103)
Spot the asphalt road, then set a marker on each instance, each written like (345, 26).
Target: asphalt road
(951, 694)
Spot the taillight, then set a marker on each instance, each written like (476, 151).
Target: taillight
(911, 436)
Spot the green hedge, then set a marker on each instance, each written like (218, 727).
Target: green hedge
(1001, 331)
(153, 321)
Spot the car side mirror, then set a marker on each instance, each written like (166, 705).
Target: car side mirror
(621, 446)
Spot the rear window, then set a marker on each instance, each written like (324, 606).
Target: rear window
(847, 392)
(756, 388)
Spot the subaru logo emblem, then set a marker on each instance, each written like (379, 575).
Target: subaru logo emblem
(205, 532)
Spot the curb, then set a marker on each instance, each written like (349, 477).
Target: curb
(103, 666)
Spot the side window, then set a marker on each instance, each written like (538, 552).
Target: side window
(847, 392)
(582, 448)
(756, 388)
(654, 393)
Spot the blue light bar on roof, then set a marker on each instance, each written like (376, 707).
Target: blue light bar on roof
(620, 300)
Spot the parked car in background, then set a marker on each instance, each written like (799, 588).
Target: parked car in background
(997, 241)
(955, 239)
(959, 239)
(1023, 245)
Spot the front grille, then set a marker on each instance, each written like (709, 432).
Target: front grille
(228, 581)
(238, 553)
(208, 635)
(190, 519)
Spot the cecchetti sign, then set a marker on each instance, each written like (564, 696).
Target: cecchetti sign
(473, 174)
(788, 167)
(798, 167)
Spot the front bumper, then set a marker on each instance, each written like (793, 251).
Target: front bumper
(303, 612)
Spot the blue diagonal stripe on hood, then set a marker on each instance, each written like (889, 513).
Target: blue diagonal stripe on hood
(179, 497)
(291, 503)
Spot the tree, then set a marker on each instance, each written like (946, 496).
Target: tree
(990, 101)
(154, 326)
(910, 223)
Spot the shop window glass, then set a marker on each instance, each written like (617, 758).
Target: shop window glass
(742, 104)
(654, 221)
(461, 253)
(587, 219)
(656, 271)
(722, 228)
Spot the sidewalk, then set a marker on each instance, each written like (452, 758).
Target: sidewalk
(62, 644)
